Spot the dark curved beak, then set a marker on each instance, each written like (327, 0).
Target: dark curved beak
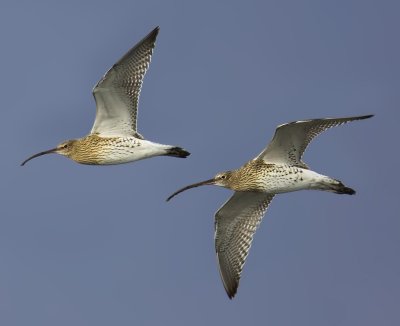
(194, 185)
(39, 154)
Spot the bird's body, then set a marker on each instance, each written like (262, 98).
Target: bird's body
(114, 138)
(98, 150)
(259, 176)
(277, 169)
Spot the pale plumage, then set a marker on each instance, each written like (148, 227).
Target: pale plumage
(277, 169)
(114, 138)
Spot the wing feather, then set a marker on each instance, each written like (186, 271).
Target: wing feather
(117, 93)
(291, 139)
(235, 224)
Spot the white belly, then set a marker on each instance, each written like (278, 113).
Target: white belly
(132, 149)
(292, 179)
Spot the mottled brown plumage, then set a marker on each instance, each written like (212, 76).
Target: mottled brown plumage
(114, 138)
(277, 169)
(100, 148)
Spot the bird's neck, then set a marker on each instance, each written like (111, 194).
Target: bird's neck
(250, 176)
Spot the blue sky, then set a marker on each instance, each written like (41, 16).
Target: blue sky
(84, 245)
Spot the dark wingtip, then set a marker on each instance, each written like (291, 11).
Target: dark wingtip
(156, 30)
(153, 34)
(231, 294)
(366, 116)
(230, 288)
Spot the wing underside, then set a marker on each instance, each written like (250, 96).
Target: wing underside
(235, 224)
(291, 139)
(117, 93)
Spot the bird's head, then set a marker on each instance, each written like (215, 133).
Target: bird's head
(65, 149)
(223, 179)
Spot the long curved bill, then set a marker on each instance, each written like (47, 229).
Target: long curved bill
(39, 154)
(194, 185)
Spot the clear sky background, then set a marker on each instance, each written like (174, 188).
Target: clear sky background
(84, 245)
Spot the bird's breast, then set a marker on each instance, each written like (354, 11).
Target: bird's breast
(115, 150)
(273, 178)
(105, 150)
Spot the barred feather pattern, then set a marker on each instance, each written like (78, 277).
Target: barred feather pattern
(291, 139)
(130, 73)
(120, 87)
(235, 224)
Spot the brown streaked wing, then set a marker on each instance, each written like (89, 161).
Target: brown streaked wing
(235, 224)
(291, 139)
(117, 93)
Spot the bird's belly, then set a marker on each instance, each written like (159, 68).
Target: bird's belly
(118, 157)
(130, 150)
(291, 179)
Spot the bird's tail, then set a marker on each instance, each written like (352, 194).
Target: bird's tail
(177, 152)
(339, 188)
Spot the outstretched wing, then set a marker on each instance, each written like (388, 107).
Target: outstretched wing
(291, 139)
(235, 224)
(117, 93)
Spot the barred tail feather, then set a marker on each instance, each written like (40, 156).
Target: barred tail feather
(341, 189)
(177, 152)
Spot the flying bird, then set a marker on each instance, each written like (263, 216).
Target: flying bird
(114, 138)
(277, 169)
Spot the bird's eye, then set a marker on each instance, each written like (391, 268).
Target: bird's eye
(223, 176)
(65, 146)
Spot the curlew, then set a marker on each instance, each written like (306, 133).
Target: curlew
(114, 138)
(277, 169)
